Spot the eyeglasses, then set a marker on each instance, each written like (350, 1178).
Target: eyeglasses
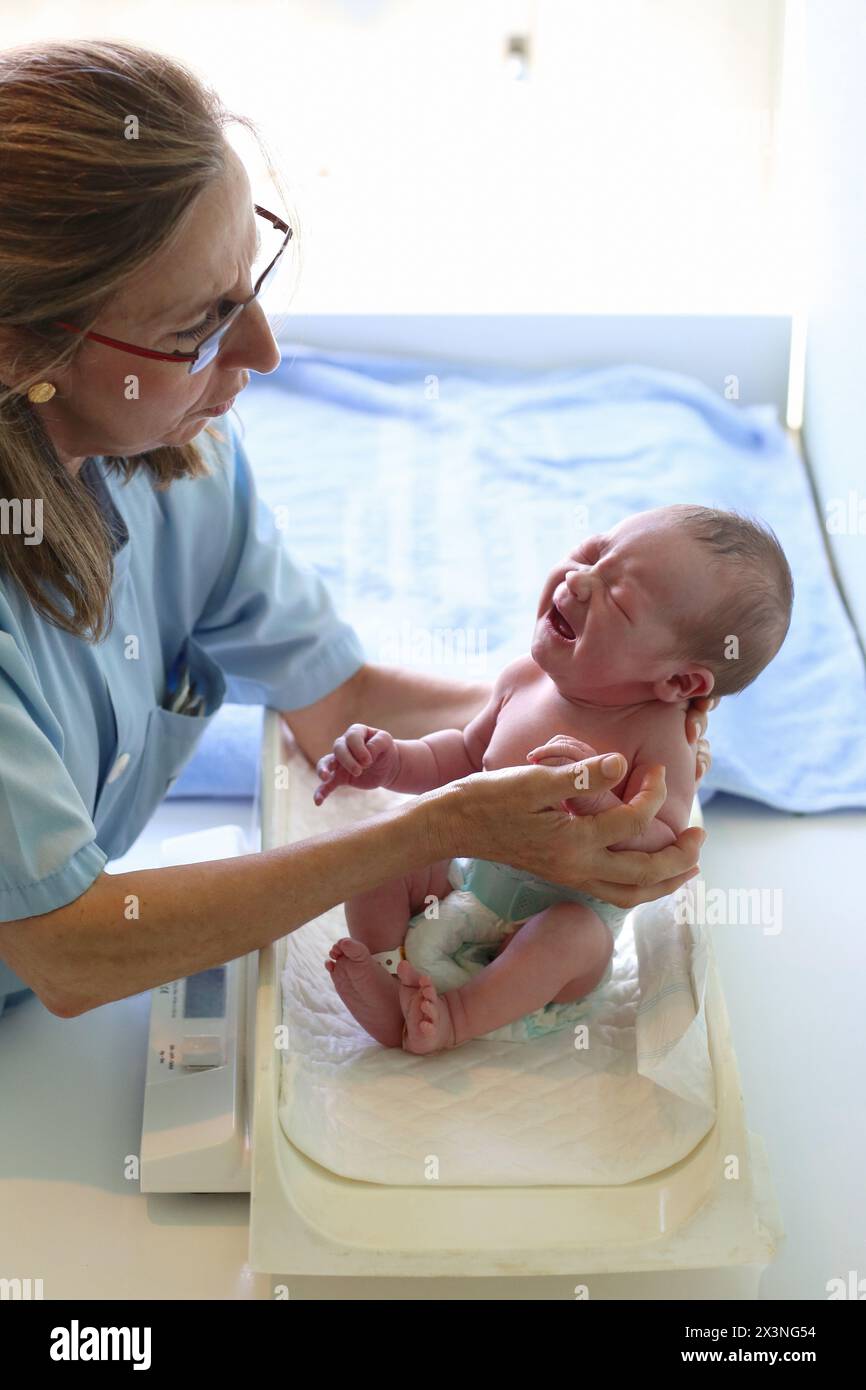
(209, 346)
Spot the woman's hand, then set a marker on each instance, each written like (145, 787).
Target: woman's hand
(563, 749)
(696, 724)
(514, 816)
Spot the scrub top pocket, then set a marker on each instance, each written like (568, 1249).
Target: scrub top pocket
(169, 744)
(171, 738)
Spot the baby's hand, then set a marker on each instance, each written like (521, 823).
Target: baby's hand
(563, 748)
(362, 757)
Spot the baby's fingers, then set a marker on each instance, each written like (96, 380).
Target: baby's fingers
(355, 742)
(379, 744)
(345, 757)
(561, 748)
(330, 775)
(325, 767)
(328, 784)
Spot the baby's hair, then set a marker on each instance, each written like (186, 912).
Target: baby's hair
(756, 595)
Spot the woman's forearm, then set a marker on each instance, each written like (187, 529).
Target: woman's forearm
(410, 704)
(133, 931)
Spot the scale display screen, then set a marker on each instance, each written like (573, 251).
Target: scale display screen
(205, 994)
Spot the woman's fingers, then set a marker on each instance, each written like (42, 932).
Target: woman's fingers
(551, 785)
(643, 871)
(513, 815)
(704, 758)
(621, 896)
(696, 716)
(633, 817)
(696, 724)
(701, 704)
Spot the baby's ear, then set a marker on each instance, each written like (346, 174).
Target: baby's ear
(685, 685)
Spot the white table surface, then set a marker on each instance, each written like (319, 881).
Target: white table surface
(72, 1095)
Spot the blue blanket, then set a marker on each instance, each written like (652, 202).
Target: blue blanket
(434, 498)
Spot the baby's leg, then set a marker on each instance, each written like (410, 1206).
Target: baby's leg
(377, 921)
(557, 956)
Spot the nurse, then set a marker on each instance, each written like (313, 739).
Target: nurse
(136, 556)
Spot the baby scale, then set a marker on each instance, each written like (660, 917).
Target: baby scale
(195, 1131)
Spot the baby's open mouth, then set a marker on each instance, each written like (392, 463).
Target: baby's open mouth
(559, 624)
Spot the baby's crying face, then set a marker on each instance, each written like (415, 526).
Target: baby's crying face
(608, 614)
(570, 601)
(579, 616)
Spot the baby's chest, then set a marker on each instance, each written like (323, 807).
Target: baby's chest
(525, 724)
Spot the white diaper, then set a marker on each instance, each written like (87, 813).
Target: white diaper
(464, 938)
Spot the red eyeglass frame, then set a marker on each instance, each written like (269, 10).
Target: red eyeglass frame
(221, 328)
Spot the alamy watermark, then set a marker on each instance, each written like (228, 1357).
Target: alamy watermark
(730, 907)
(846, 516)
(20, 1290)
(22, 516)
(434, 646)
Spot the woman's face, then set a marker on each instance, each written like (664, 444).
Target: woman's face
(111, 402)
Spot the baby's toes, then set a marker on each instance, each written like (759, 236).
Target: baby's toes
(347, 946)
(409, 976)
(425, 1015)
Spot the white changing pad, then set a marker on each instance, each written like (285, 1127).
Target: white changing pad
(637, 1099)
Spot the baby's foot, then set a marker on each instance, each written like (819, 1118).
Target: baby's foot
(428, 1018)
(368, 991)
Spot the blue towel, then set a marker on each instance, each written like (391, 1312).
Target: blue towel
(434, 498)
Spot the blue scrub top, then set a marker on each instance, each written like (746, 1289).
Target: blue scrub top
(86, 751)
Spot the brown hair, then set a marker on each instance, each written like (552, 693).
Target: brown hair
(756, 595)
(76, 222)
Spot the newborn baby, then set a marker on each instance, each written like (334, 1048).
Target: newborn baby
(668, 605)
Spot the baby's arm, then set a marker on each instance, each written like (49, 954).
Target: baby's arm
(447, 754)
(442, 757)
(365, 757)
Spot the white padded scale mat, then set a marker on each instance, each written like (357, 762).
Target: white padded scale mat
(634, 1100)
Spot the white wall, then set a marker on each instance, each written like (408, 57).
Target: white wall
(834, 424)
(634, 172)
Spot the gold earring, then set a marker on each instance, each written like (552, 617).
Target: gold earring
(41, 392)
